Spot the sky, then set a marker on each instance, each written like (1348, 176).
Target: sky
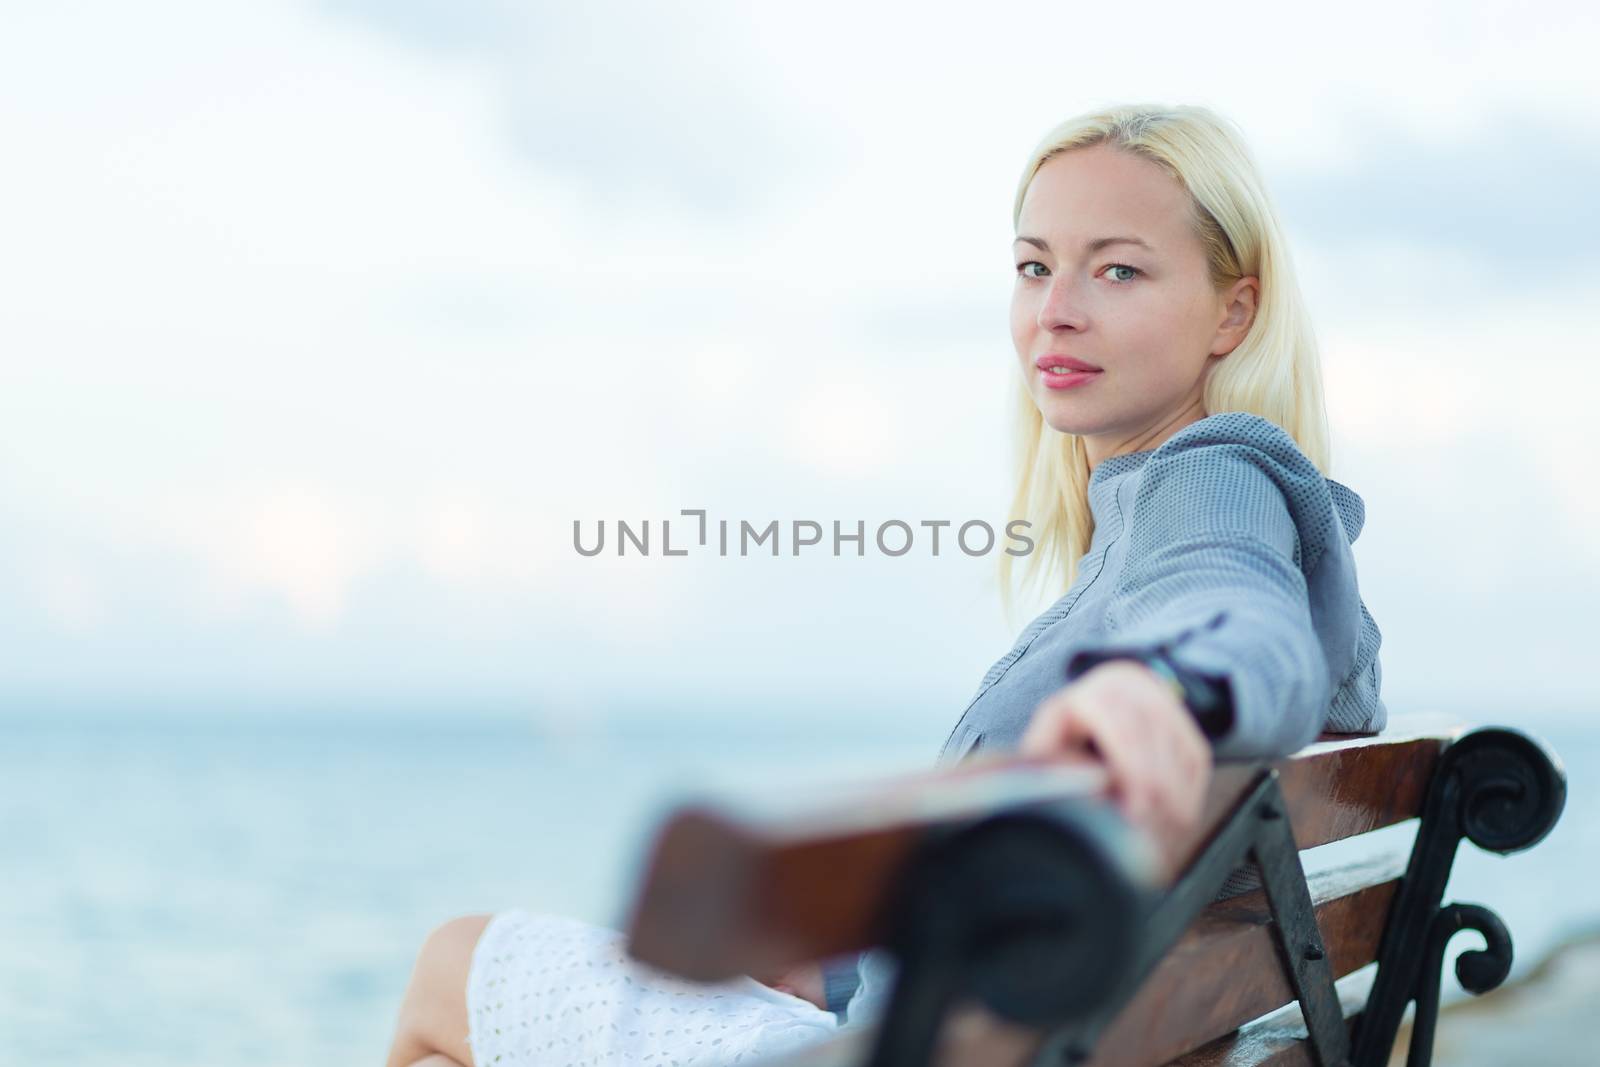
(324, 322)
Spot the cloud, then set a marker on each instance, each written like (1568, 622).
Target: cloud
(1511, 193)
(323, 324)
(294, 541)
(70, 597)
(625, 101)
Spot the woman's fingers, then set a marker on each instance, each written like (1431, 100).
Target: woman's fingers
(1055, 727)
(1181, 773)
(1082, 717)
(1132, 770)
(1157, 760)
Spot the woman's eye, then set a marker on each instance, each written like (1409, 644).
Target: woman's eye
(1024, 271)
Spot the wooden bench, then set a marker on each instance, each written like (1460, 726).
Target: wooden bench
(1032, 925)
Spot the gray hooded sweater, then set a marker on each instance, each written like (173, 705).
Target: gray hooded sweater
(1226, 547)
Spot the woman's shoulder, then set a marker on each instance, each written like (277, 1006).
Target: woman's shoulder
(1226, 454)
(1234, 463)
(1240, 429)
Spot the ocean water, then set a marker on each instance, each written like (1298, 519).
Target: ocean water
(253, 891)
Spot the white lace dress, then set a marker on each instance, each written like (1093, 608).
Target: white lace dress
(547, 990)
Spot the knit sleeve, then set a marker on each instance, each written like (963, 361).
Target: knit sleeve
(1229, 519)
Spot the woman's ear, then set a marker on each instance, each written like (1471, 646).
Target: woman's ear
(1239, 311)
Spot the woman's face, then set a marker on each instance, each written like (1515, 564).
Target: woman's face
(1145, 314)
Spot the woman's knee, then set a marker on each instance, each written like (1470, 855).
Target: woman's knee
(433, 1017)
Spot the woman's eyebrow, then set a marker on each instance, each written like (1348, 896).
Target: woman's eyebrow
(1093, 246)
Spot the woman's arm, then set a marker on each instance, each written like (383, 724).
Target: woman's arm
(1229, 520)
(1225, 527)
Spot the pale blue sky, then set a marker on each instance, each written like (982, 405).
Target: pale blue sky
(323, 322)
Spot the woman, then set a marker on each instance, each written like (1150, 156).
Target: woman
(1211, 607)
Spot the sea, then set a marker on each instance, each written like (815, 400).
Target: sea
(252, 889)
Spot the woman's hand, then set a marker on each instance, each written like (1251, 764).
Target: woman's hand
(1123, 714)
(804, 981)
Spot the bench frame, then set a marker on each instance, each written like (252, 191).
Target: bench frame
(1498, 788)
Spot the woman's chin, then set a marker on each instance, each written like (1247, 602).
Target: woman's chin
(1064, 421)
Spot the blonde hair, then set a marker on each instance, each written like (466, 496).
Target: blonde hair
(1275, 372)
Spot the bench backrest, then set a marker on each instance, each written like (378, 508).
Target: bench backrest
(753, 889)
(1225, 971)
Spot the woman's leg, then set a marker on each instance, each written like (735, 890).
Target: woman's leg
(433, 1015)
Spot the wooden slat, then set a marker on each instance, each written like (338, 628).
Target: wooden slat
(1225, 971)
(750, 892)
(1280, 1039)
(977, 1039)
(1335, 791)
(1221, 984)
(732, 890)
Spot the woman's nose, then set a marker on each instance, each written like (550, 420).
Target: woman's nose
(1062, 306)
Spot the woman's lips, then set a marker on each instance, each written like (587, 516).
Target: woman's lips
(1055, 380)
(1061, 371)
